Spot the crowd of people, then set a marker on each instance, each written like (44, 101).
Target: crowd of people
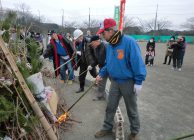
(175, 50)
(109, 54)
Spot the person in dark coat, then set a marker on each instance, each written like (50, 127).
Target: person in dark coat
(177, 48)
(183, 50)
(86, 54)
(62, 52)
(100, 56)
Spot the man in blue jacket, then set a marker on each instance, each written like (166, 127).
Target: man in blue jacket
(126, 70)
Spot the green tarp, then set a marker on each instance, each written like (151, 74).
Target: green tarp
(189, 39)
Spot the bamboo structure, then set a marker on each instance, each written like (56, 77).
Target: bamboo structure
(47, 127)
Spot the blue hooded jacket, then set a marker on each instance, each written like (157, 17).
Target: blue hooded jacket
(124, 62)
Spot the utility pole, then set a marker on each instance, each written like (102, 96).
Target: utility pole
(39, 15)
(1, 8)
(156, 19)
(1, 11)
(62, 17)
(89, 18)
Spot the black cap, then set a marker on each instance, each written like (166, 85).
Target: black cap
(52, 32)
(94, 38)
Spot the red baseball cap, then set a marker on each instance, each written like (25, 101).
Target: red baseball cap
(107, 23)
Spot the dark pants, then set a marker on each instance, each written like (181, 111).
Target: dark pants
(147, 60)
(166, 57)
(182, 57)
(83, 72)
(176, 62)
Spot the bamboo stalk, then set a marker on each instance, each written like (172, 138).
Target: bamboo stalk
(47, 127)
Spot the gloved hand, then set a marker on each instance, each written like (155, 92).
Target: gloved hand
(79, 53)
(137, 88)
(98, 79)
(41, 57)
(89, 67)
(1, 32)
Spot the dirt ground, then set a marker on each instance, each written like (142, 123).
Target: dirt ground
(166, 103)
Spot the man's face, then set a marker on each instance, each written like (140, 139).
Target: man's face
(80, 38)
(54, 36)
(88, 33)
(95, 43)
(68, 35)
(107, 34)
(179, 39)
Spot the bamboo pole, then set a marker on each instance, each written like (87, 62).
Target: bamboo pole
(47, 127)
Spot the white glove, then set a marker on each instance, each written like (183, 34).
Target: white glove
(137, 88)
(89, 67)
(1, 32)
(41, 57)
(79, 53)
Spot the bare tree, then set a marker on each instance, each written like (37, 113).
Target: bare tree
(189, 24)
(161, 24)
(129, 22)
(71, 24)
(130, 26)
(23, 8)
(69, 27)
(93, 23)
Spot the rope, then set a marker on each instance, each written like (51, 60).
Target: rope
(183, 137)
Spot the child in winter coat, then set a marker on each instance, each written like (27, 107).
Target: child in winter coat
(149, 56)
(151, 46)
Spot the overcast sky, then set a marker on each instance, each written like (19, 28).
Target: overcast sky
(176, 11)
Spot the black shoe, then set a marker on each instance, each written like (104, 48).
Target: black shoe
(164, 63)
(98, 99)
(168, 63)
(80, 90)
(133, 136)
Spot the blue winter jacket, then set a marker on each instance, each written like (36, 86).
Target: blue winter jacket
(124, 62)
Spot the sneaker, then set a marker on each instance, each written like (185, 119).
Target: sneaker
(103, 133)
(80, 90)
(133, 136)
(173, 68)
(62, 81)
(179, 69)
(70, 82)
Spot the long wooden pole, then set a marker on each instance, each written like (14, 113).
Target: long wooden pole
(47, 127)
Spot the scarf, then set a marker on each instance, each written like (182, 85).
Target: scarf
(115, 38)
